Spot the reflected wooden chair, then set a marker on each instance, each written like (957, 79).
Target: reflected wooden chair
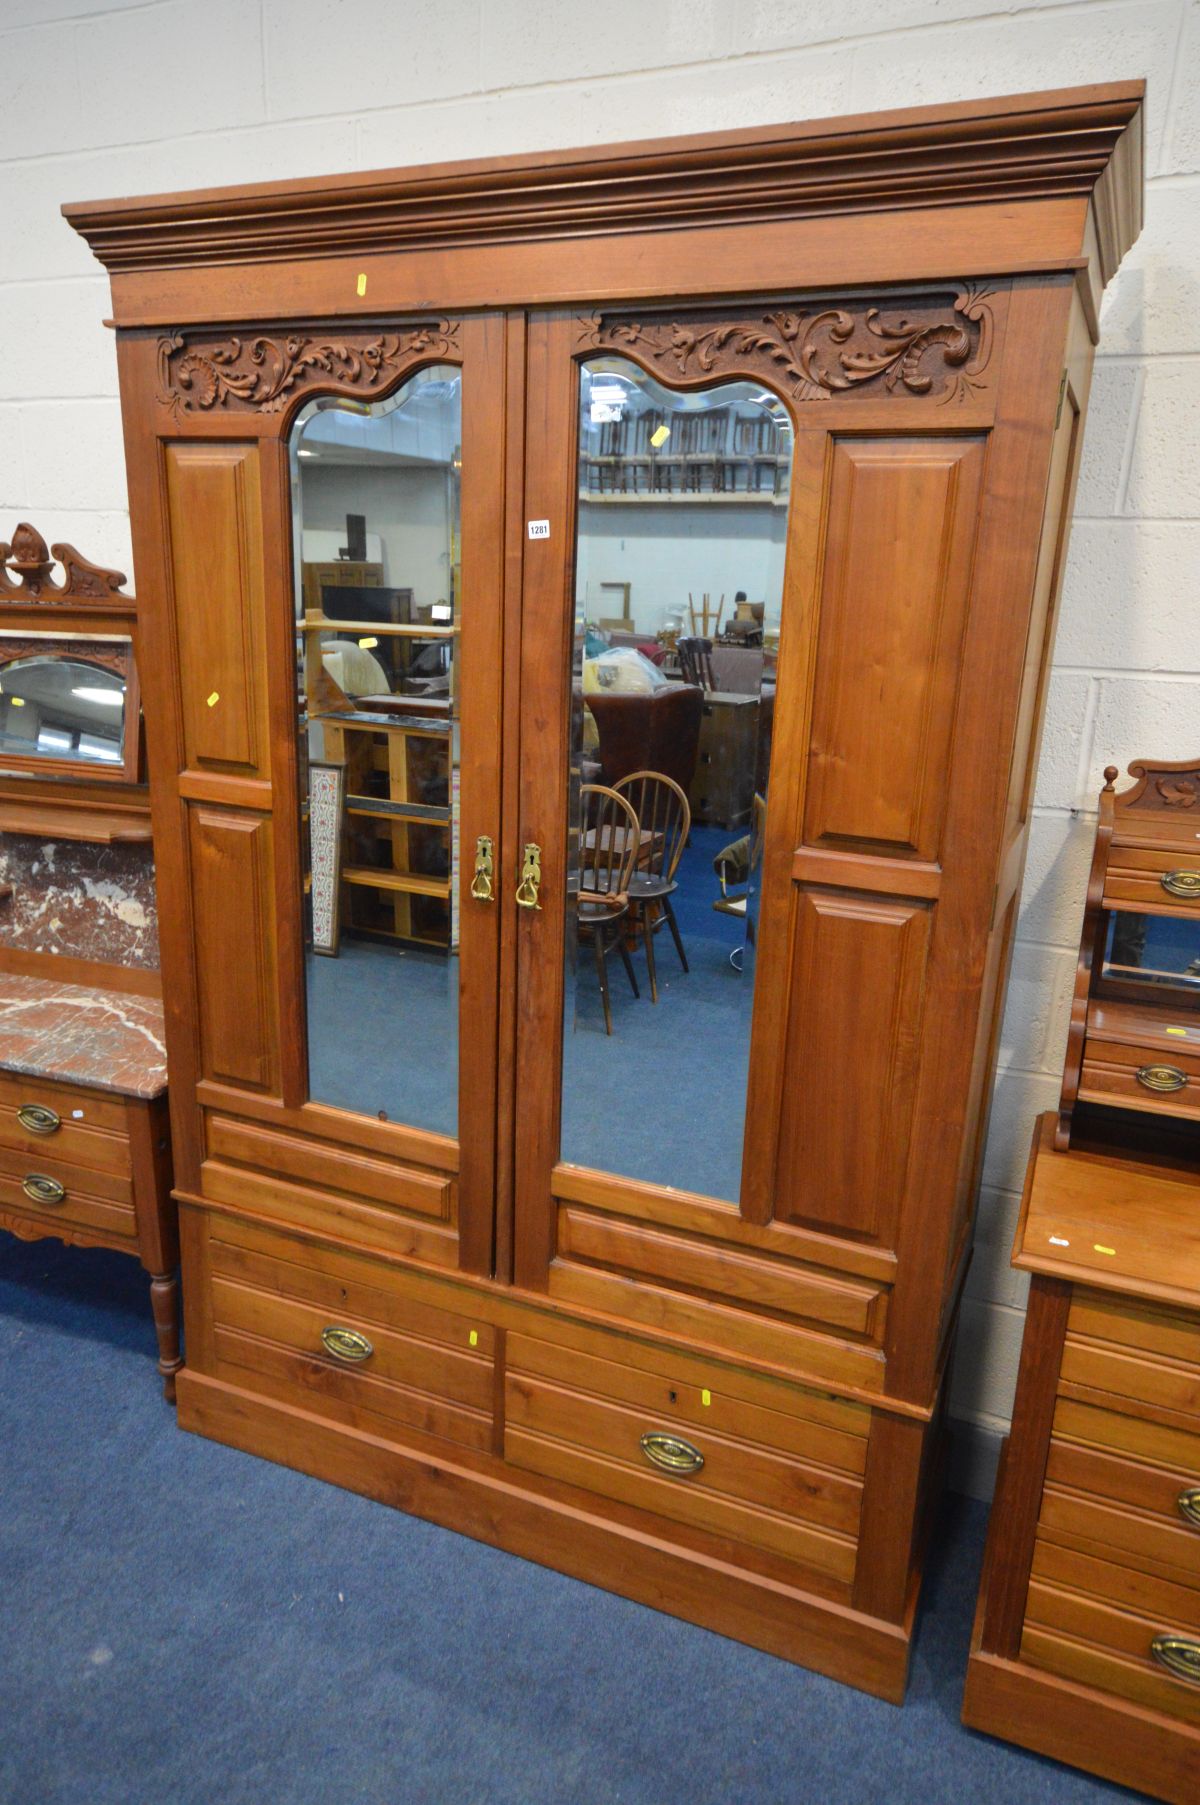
(609, 843)
(665, 821)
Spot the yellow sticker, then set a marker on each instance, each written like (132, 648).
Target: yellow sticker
(1111, 1251)
(214, 699)
(368, 642)
(17, 701)
(1181, 1032)
(706, 1398)
(474, 1337)
(362, 285)
(659, 436)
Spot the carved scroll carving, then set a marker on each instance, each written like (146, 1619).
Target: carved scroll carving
(30, 563)
(112, 655)
(261, 374)
(938, 346)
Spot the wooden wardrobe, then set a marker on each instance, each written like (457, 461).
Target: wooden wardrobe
(725, 1406)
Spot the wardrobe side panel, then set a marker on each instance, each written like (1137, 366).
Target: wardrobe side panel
(233, 888)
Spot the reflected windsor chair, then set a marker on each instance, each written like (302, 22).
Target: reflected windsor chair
(609, 844)
(665, 819)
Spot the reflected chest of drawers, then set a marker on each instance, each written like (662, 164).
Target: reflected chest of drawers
(85, 1152)
(1087, 1643)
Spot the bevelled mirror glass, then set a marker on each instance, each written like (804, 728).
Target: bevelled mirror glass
(1161, 951)
(377, 572)
(60, 705)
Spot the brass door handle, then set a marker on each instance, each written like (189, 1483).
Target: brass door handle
(1183, 883)
(671, 1454)
(531, 877)
(1164, 1078)
(35, 1118)
(481, 883)
(346, 1344)
(41, 1189)
(1189, 1505)
(1180, 1655)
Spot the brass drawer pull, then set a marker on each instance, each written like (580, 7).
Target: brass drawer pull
(1161, 1077)
(41, 1189)
(1180, 1655)
(35, 1118)
(671, 1454)
(531, 877)
(1183, 883)
(346, 1344)
(1189, 1505)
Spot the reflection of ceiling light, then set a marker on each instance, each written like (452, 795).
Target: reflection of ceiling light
(304, 452)
(609, 391)
(109, 698)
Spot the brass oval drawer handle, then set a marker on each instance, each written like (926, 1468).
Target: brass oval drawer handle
(37, 1119)
(671, 1454)
(1161, 1077)
(41, 1189)
(1180, 1655)
(1189, 1505)
(1183, 883)
(346, 1344)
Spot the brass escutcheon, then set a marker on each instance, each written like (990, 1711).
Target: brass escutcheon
(41, 1189)
(1180, 1655)
(671, 1454)
(531, 877)
(1184, 883)
(1189, 1505)
(481, 883)
(346, 1344)
(1161, 1077)
(35, 1118)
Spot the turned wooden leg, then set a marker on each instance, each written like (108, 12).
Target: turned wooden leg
(164, 1301)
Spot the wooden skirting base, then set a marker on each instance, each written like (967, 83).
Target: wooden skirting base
(1072, 1723)
(503, 1510)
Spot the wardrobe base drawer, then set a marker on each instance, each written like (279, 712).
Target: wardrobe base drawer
(1111, 1652)
(347, 1337)
(656, 1440)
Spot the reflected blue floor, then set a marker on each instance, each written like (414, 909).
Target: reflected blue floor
(663, 1098)
(383, 1033)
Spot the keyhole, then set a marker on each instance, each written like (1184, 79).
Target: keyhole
(671, 1395)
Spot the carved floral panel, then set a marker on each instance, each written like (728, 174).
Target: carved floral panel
(937, 345)
(262, 374)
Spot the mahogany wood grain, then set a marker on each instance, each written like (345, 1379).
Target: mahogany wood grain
(97, 974)
(233, 889)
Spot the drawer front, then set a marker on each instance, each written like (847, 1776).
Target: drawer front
(81, 1127)
(1160, 881)
(360, 1349)
(1140, 1078)
(1098, 1645)
(1153, 1541)
(1092, 1425)
(53, 1197)
(1158, 1508)
(640, 1438)
(1148, 1595)
(1148, 1358)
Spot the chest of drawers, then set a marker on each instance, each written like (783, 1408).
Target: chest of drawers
(1087, 1641)
(85, 1154)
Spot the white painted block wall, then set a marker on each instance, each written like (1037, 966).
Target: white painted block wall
(104, 99)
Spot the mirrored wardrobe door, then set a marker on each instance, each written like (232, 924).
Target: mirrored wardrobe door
(671, 512)
(396, 507)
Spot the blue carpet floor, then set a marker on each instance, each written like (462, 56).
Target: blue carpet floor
(185, 1625)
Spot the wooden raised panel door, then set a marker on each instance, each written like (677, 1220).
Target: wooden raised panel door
(217, 590)
(232, 887)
